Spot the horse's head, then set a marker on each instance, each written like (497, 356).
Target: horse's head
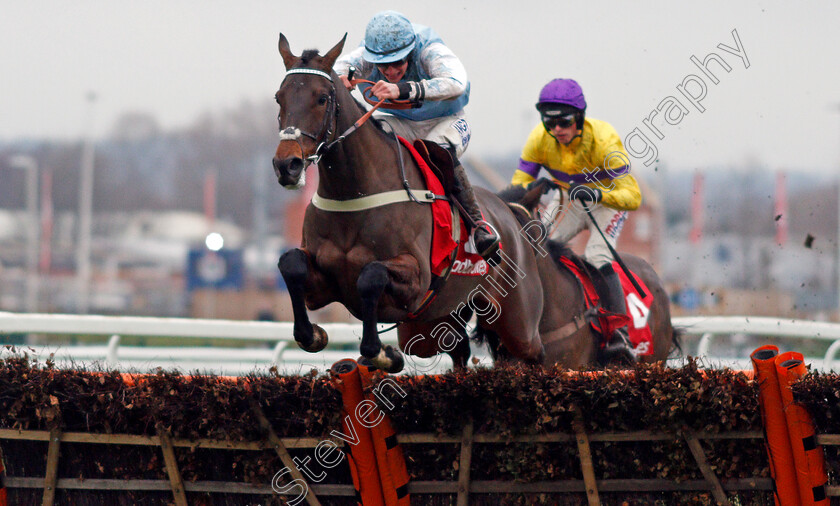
(308, 110)
(526, 199)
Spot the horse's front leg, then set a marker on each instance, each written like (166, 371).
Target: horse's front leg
(295, 267)
(372, 282)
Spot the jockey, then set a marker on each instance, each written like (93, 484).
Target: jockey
(407, 61)
(586, 159)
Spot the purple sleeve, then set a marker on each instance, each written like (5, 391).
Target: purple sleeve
(530, 168)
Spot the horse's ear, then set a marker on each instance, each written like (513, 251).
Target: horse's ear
(333, 54)
(535, 192)
(288, 58)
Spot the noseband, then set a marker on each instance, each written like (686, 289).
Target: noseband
(292, 133)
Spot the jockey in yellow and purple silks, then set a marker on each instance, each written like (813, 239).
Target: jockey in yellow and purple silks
(587, 160)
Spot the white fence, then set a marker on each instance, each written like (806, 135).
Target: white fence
(271, 344)
(266, 344)
(736, 328)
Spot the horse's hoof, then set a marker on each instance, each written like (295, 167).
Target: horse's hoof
(389, 359)
(364, 361)
(617, 355)
(319, 340)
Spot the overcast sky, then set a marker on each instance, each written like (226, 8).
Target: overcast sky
(176, 59)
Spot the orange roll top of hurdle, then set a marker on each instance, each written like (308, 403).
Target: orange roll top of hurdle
(392, 469)
(807, 455)
(776, 437)
(366, 479)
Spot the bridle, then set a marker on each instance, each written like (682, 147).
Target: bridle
(294, 133)
(330, 119)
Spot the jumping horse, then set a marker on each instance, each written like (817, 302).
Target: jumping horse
(367, 235)
(568, 338)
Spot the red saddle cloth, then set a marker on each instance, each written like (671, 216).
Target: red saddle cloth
(467, 261)
(638, 308)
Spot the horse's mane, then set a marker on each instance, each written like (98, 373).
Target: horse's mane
(376, 122)
(557, 249)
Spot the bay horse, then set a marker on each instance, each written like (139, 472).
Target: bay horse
(566, 342)
(376, 260)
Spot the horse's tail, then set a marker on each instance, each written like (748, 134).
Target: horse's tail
(676, 337)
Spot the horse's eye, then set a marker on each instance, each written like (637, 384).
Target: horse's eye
(277, 98)
(322, 100)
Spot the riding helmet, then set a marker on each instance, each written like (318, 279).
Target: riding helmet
(562, 96)
(389, 37)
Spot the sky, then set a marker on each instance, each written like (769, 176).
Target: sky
(777, 108)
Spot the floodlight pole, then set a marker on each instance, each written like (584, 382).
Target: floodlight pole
(33, 228)
(85, 217)
(837, 251)
(837, 242)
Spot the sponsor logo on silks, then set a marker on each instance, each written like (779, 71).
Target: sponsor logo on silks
(616, 224)
(643, 348)
(463, 129)
(469, 267)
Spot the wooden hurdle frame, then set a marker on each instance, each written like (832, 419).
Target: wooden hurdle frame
(462, 488)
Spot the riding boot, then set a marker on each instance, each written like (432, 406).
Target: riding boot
(619, 349)
(486, 240)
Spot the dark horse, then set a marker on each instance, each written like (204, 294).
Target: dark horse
(375, 260)
(566, 341)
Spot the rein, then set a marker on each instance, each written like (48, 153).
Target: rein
(370, 201)
(294, 133)
(367, 94)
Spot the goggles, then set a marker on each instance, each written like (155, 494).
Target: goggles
(392, 64)
(563, 121)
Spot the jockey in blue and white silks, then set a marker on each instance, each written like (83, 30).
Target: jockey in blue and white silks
(409, 61)
(435, 77)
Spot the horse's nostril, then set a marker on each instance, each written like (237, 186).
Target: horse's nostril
(295, 166)
(288, 170)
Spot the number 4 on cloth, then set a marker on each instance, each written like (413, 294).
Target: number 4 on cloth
(637, 310)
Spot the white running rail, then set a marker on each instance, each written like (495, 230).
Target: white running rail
(278, 336)
(344, 339)
(709, 327)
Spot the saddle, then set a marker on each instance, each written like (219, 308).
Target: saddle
(592, 283)
(440, 161)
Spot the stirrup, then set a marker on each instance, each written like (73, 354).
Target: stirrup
(492, 248)
(619, 350)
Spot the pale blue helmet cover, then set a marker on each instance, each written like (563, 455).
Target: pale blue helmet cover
(389, 37)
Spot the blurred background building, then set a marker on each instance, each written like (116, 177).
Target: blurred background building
(742, 239)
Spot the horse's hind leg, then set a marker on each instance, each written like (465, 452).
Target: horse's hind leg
(461, 352)
(494, 345)
(372, 282)
(294, 266)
